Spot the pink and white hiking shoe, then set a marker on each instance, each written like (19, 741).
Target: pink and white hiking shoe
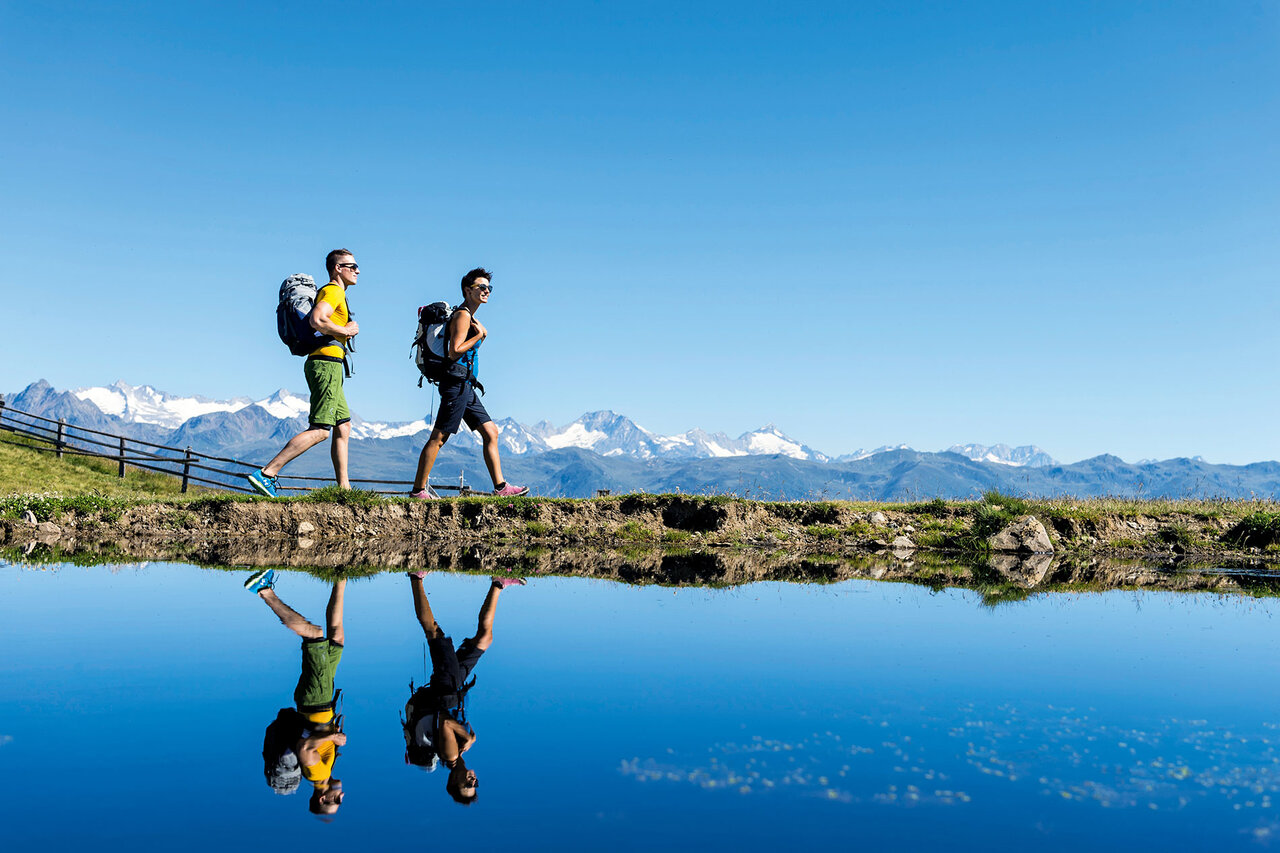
(425, 495)
(503, 583)
(510, 491)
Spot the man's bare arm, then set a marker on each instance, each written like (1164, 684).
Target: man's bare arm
(308, 750)
(321, 319)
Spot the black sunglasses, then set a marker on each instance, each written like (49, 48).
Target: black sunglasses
(355, 267)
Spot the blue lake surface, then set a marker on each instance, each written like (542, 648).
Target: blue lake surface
(865, 714)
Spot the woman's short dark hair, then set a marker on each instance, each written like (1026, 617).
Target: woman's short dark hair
(469, 279)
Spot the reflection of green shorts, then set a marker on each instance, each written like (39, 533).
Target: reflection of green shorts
(328, 402)
(319, 665)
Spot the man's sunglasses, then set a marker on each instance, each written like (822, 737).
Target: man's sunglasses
(485, 287)
(355, 267)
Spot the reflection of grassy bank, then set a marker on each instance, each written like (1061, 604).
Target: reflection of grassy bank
(996, 582)
(1163, 530)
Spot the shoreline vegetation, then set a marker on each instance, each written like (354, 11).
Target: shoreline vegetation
(1010, 542)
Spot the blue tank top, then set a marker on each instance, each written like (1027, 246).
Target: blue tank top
(470, 359)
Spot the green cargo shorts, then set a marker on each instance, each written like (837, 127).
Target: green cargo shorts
(328, 402)
(320, 659)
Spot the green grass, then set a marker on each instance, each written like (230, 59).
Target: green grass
(634, 531)
(24, 470)
(823, 532)
(46, 507)
(342, 497)
(1257, 530)
(935, 507)
(994, 514)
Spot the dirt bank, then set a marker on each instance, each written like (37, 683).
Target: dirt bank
(360, 530)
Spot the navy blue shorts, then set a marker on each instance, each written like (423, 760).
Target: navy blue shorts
(449, 669)
(459, 402)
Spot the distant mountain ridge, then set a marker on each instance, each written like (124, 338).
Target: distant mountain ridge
(604, 432)
(607, 450)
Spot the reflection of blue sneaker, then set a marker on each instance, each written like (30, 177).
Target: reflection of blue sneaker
(258, 581)
(262, 484)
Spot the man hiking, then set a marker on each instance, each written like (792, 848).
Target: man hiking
(435, 725)
(319, 732)
(458, 399)
(324, 371)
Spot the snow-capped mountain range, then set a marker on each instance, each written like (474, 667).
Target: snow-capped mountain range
(605, 433)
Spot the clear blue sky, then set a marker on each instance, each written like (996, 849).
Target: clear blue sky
(870, 223)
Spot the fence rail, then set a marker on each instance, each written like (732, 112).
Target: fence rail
(72, 440)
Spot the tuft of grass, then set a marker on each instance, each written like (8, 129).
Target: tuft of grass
(1176, 534)
(1256, 530)
(342, 497)
(537, 528)
(823, 532)
(935, 507)
(822, 512)
(994, 514)
(634, 531)
(860, 530)
(46, 507)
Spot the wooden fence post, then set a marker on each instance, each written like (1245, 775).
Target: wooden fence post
(62, 431)
(1, 407)
(186, 471)
(122, 457)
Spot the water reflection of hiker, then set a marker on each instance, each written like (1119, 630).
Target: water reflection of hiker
(311, 726)
(435, 723)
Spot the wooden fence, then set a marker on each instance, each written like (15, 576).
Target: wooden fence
(61, 438)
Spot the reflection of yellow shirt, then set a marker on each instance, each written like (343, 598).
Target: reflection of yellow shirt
(321, 716)
(336, 295)
(323, 769)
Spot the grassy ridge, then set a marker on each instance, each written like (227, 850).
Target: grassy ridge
(84, 486)
(24, 471)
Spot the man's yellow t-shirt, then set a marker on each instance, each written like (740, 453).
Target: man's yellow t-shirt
(323, 769)
(336, 295)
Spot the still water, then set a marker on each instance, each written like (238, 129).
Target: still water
(134, 701)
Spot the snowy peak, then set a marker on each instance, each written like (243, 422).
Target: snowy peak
(864, 454)
(285, 404)
(607, 433)
(145, 405)
(772, 440)
(1027, 455)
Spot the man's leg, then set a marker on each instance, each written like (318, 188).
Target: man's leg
(338, 450)
(298, 445)
(427, 458)
(333, 613)
(292, 619)
(422, 609)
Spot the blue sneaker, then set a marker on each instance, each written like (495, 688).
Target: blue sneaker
(262, 484)
(258, 581)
